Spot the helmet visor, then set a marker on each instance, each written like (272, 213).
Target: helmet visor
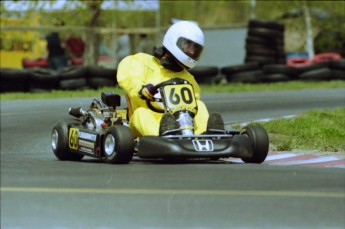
(190, 48)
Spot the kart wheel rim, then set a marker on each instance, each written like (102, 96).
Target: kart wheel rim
(55, 137)
(109, 144)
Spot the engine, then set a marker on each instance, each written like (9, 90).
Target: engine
(101, 114)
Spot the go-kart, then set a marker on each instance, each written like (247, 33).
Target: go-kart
(102, 132)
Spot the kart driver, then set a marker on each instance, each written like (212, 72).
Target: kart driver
(137, 74)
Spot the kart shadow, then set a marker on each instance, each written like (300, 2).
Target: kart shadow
(91, 160)
(183, 161)
(162, 161)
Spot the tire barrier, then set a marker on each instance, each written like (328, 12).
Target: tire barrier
(37, 79)
(279, 72)
(101, 77)
(265, 42)
(250, 72)
(229, 71)
(206, 74)
(275, 77)
(337, 64)
(317, 74)
(266, 24)
(240, 68)
(14, 80)
(254, 76)
(79, 77)
(338, 75)
(42, 79)
(337, 68)
(312, 66)
(73, 78)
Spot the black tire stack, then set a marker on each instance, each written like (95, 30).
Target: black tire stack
(43, 79)
(265, 59)
(243, 73)
(315, 72)
(206, 74)
(73, 78)
(321, 71)
(14, 80)
(279, 73)
(265, 42)
(337, 68)
(38, 79)
(101, 77)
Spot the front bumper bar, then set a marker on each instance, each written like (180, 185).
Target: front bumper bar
(202, 146)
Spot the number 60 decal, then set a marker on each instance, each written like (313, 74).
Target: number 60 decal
(185, 94)
(73, 138)
(180, 97)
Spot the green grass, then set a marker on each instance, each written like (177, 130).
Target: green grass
(312, 130)
(240, 87)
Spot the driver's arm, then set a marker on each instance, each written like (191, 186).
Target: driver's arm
(130, 75)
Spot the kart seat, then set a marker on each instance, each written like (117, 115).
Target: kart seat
(111, 99)
(129, 107)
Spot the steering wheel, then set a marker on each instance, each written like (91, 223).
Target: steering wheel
(160, 86)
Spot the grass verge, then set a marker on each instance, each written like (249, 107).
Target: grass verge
(312, 130)
(217, 88)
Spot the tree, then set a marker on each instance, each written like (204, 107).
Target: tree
(92, 37)
(327, 18)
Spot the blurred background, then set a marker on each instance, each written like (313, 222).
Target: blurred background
(25, 25)
(248, 41)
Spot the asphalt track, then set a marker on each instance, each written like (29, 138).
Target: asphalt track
(38, 191)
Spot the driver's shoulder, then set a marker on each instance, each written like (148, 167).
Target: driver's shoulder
(186, 75)
(139, 58)
(143, 57)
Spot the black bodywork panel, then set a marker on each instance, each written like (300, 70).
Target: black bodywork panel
(236, 146)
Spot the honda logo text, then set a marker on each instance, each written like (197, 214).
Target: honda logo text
(203, 145)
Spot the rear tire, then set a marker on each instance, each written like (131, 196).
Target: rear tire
(60, 142)
(260, 143)
(118, 145)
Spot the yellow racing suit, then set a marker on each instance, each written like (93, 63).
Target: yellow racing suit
(138, 70)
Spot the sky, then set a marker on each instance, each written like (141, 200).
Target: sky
(107, 4)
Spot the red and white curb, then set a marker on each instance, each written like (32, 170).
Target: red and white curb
(276, 158)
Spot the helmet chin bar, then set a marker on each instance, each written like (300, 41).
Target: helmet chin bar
(170, 62)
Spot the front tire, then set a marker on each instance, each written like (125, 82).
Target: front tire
(118, 145)
(59, 142)
(260, 143)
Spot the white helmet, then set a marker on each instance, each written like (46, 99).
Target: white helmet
(185, 41)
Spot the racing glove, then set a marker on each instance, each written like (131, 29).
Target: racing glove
(147, 92)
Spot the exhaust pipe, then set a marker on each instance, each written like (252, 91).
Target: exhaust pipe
(77, 112)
